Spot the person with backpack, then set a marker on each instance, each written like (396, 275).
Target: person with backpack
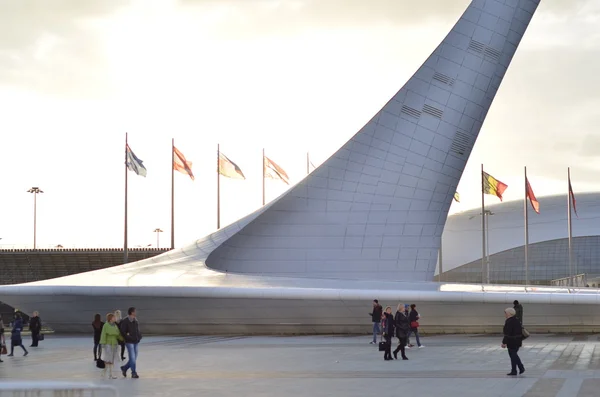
(376, 316)
(388, 333)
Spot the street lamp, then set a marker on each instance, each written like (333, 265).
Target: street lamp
(35, 191)
(157, 231)
(488, 213)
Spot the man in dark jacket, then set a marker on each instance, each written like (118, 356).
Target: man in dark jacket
(518, 310)
(513, 340)
(35, 326)
(376, 319)
(402, 331)
(130, 330)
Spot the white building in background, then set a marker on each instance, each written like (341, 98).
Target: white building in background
(548, 242)
(366, 224)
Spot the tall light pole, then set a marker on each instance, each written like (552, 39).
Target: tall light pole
(157, 231)
(35, 191)
(487, 242)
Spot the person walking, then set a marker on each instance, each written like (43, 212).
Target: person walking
(518, 310)
(35, 326)
(130, 330)
(118, 319)
(109, 340)
(15, 337)
(97, 326)
(413, 319)
(402, 330)
(513, 340)
(406, 313)
(2, 340)
(388, 333)
(376, 316)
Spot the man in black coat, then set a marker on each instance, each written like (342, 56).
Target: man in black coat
(518, 311)
(130, 330)
(35, 326)
(376, 316)
(388, 332)
(513, 340)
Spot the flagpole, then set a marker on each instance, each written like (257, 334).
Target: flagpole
(263, 179)
(482, 227)
(526, 232)
(218, 189)
(172, 193)
(570, 227)
(307, 163)
(125, 250)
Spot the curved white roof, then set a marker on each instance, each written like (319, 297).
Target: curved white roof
(461, 241)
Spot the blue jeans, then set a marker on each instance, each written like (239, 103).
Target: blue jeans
(132, 352)
(375, 332)
(416, 332)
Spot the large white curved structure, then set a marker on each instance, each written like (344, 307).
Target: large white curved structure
(366, 224)
(548, 241)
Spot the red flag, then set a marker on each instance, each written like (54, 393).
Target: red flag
(181, 164)
(572, 196)
(534, 203)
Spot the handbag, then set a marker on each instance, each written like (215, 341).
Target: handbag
(4, 351)
(414, 324)
(524, 334)
(100, 364)
(41, 337)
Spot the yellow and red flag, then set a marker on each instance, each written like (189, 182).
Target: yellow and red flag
(493, 186)
(274, 171)
(529, 193)
(181, 164)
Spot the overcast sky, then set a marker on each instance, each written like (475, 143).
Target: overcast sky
(290, 76)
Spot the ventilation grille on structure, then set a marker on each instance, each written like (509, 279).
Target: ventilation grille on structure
(461, 143)
(442, 78)
(481, 48)
(476, 46)
(435, 112)
(492, 53)
(411, 111)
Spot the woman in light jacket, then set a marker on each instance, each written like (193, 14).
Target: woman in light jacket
(109, 339)
(118, 319)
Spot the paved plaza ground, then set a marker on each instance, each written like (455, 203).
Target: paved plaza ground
(315, 366)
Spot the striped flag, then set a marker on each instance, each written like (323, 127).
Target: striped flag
(534, 203)
(274, 171)
(228, 168)
(493, 186)
(181, 164)
(457, 197)
(135, 164)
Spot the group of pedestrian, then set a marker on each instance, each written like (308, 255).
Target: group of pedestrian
(404, 323)
(401, 325)
(16, 338)
(112, 337)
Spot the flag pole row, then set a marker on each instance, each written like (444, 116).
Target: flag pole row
(494, 187)
(225, 167)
